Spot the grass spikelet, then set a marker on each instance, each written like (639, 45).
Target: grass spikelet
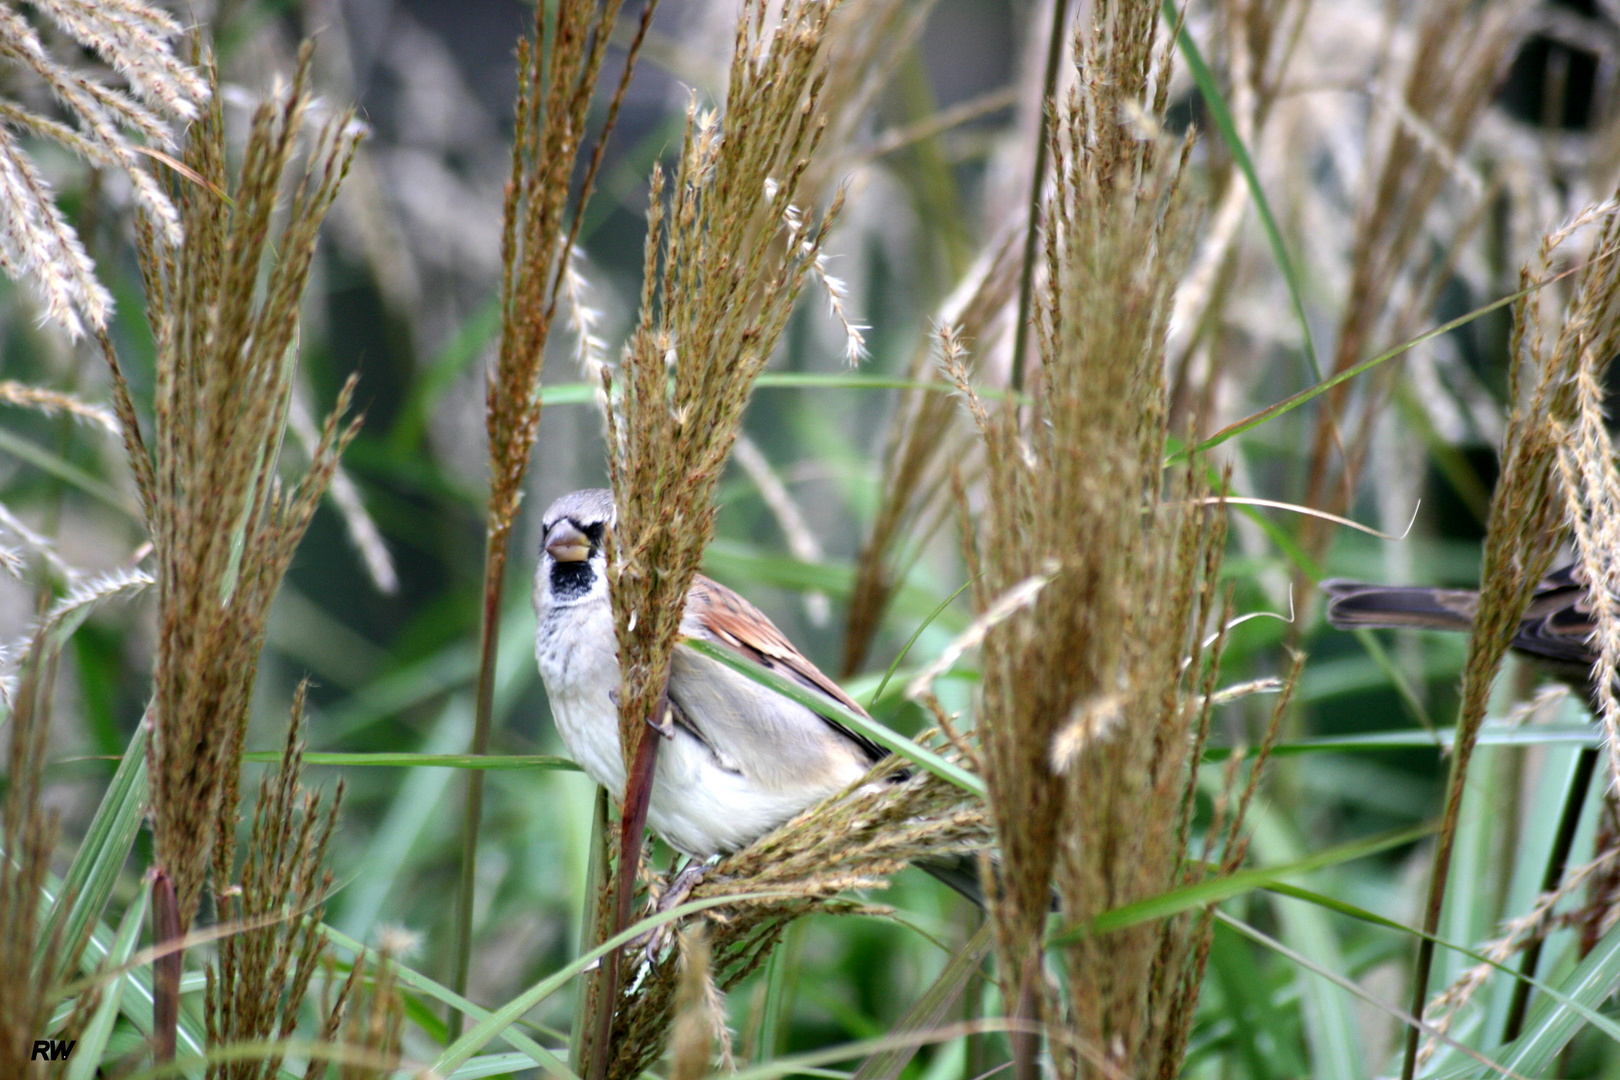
(262, 974)
(224, 308)
(133, 38)
(698, 1020)
(93, 592)
(39, 546)
(372, 1032)
(363, 532)
(52, 402)
(37, 245)
(1550, 441)
(1516, 934)
(554, 95)
(1587, 336)
(557, 75)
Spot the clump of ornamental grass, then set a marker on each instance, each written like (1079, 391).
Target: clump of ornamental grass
(223, 305)
(725, 261)
(112, 127)
(1557, 467)
(1096, 683)
(224, 312)
(557, 75)
(857, 840)
(262, 972)
(1400, 261)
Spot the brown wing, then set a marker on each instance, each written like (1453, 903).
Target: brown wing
(730, 621)
(1557, 625)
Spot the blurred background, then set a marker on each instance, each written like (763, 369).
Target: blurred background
(380, 609)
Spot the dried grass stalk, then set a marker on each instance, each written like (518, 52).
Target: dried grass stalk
(1588, 333)
(1095, 695)
(37, 245)
(725, 261)
(699, 1017)
(27, 835)
(363, 1021)
(1550, 441)
(224, 310)
(555, 88)
(374, 1025)
(263, 973)
(52, 402)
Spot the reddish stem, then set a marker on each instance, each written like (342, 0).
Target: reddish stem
(632, 828)
(166, 968)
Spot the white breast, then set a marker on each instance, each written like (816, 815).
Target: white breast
(697, 806)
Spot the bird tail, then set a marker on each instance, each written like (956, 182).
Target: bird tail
(959, 871)
(1354, 604)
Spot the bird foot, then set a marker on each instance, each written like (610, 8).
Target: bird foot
(677, 893)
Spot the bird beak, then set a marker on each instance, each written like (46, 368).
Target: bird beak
(565, 543)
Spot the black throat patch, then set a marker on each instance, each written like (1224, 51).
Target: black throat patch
(571, 580)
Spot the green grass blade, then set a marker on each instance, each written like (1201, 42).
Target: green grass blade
(1294, 401)
(1585, 1012)
(1305, 962)
(491, 1065)
(410, 813)
(1224, 888)
(86, 1060)
(69, 473)
(871, 702)
(1580, 734)
(777, 1002)
(137, 1001)
(100, 859)
(1329, 1013)
(1265, 1032)
(1580, 995)
(584, 393)
(1544, 808)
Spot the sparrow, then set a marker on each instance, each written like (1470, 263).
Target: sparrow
(740, 759)
(1555, 632)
